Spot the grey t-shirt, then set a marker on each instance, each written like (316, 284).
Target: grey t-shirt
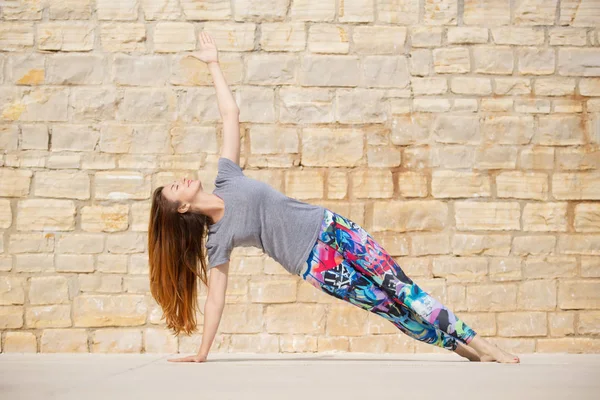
(257, 215)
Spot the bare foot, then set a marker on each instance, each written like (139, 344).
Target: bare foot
(467, 352)
(492, 353)
(500, 356)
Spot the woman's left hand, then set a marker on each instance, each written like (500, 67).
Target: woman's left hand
(195, 358)
(208, 49)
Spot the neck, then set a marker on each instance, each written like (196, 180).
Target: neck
(209, 205)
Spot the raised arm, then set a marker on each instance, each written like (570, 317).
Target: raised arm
(227, 106)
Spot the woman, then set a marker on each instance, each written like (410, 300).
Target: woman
(329, 251)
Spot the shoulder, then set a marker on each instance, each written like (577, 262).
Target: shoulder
(227, 169)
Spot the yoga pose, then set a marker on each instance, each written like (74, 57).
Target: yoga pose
(329, 251)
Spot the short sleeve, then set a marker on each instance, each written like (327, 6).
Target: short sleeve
(227, 170)
(218, 253)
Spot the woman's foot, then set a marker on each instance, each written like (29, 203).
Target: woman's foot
(489, 352)
(467, 352)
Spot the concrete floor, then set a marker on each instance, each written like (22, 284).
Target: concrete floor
(296, 376)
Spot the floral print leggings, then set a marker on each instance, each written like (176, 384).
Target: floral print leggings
(347, 263)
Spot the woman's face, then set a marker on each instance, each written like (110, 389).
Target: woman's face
(183, 190)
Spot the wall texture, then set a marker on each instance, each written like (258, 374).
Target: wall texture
(463, 134)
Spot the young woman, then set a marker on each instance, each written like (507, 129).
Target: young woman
(329, 251)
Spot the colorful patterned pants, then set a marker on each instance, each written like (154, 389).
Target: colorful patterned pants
(347, 263)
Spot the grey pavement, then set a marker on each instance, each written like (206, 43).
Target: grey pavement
(296, 376)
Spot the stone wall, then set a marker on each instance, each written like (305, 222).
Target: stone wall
(463, 134)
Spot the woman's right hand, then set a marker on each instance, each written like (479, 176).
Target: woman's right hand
(208, 49)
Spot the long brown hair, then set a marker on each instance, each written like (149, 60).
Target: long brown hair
(176, 258)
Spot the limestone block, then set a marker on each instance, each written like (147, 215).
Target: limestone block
(519, 36)
(471, 215)
(537, 295)
(455, 184)
(441, 12)
(522, 185)
(173, 37)
(48, 290)
(214, 10)
(587, 217)
(499, 297)
(576, 186)
(542, 217)
(20, 342)
(104, 218)
(331, 148)
(485, 245)
(62, 184)
(305, 105)
(121, 243)
(116, 340)
(535, 12)
(74, 263)
(66, 36)
(12, 290)
(31, 243)
(461, 269)
(328, 38)
(123, 37)
(306, 184)
(505, 269)
(283, 36)
(496, 60)
(467, 35)
(372, 183)
(379, 39)
(117, 10)
(312, 10)
(492, 12)
(45, 214)
(80, 243)
(578, 294)
(356, 11)
(109, 310)
(120, 185)
(508, 129)
(536, 61)
(16, 36)
(533, 245)
(560, 36)
(50, 316)
(425, 36)
(561, 130)
(519, 324)
(64, 341)
(411, 215)
(412, 184)
(451, 60)
(401, 12)
(579, 62)
(273, 291)
(377, 71)
(550, 267)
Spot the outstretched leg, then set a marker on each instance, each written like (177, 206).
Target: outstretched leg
(327, 270)
(369, 258)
